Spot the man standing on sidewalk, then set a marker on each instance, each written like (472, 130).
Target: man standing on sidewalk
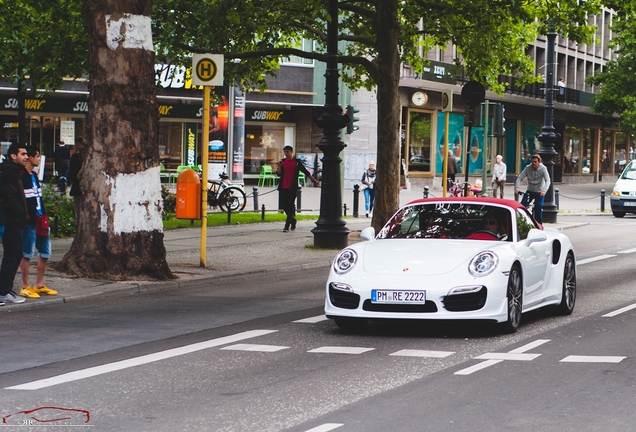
(33, 240)
(288, 170)
(499, 177)
(15, 217)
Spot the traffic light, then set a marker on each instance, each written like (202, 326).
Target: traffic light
(499, 120)
(351, 110)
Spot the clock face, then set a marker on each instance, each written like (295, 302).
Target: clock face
(419, 98)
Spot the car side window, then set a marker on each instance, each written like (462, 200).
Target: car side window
(524, 223)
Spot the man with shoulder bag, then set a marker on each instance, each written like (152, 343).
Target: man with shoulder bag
(36, 233)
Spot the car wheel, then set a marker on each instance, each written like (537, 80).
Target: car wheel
(514, 294)
(351, 324)
(618, 214)
(568, 296)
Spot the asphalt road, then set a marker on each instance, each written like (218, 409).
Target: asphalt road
(257, 355)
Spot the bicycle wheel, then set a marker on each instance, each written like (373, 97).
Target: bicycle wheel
(232, 198)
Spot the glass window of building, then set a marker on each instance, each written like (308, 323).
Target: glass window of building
(170, 144)
(529, 142)
(264, 145)
(606, 157)
(620, 155)
(306, 45)
(586, 151)
(571, 149)
(419, 141)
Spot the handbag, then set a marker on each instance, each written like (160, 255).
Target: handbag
(42, 225)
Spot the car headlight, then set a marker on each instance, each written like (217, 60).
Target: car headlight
(345, 261)
(483, 264)
(616, 192)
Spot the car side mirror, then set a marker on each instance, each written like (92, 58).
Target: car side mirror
(535, 235)
(368, 234)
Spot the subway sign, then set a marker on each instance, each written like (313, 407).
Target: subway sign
(269, 115)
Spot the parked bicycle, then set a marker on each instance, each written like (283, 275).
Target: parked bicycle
(225, 195)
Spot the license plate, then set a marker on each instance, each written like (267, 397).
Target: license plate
(398, 296)
(629, 204)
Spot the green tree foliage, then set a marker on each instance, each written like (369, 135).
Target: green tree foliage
(617, 95)
(490, 35)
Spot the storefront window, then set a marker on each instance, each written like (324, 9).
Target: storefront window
(529, 142)
(419, 141)
(455, 140)
(620, 155)
(170, 144)
(571, 144)
(264, 145)
(586, 149)
(606, 157)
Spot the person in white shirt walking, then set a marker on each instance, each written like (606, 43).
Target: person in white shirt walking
(499, 177)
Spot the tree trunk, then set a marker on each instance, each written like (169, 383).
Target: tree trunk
(388, 60)
(120, 232)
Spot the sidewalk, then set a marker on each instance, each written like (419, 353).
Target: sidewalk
(248, 251)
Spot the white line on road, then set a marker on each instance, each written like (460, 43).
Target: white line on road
(312, 320)
(422, 353)
(592, 359)
(596, 258)
(340, 350)
(494, 358)
(477, 367)
(137, 361)
(326, 427)
(627, 251)
(254, 347)
(620, 311)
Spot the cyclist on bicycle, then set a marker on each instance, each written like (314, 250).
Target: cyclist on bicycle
(538, 184)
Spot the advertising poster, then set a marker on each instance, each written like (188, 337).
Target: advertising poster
(475, 154)
(190, 144)
(455, 140)
(238, 137)
(218, 138)
(67, 132)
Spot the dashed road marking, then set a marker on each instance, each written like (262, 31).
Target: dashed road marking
(340, 350)
(592, 359)
(137, 361)
(627, 251)
(326, 427)
(312, 320)
(494, 358)
(619, 311)
(254, 347)
(422, 353)
(596, 258)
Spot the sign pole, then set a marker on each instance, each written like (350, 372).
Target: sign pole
(445, 159)
(204, 172)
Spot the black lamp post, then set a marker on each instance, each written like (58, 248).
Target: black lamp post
(548, 137)
(330, 231)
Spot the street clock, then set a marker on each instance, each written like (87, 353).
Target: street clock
(419, 98)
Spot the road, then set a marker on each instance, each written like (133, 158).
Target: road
(257, 355)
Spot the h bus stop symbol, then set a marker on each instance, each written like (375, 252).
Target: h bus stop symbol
(208, 69)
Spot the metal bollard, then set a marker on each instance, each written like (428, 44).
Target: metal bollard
(299, 194)
(356, 197)
(556, 198)
(425, 191)
(263, 212)
(344, 209)
(255, 197)
(602, 200)
(229, 214)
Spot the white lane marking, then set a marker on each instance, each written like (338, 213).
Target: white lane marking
(326, 427)
(422, 353)
(254, 347)
(529, 346)
(136, 361)
(477, 367)
(312, 320)
(627, 251)
(620, 311)
(596, 258)
(340, 350)
(494, 358)
(592, 359)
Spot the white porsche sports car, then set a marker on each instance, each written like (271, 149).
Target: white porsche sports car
(453, 259)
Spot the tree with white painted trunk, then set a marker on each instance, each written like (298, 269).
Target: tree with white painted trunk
(120, 232)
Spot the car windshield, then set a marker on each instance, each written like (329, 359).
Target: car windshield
(629, 173)
(449, 221)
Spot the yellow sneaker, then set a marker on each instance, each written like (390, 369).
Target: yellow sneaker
(43, 290)
(28, 292)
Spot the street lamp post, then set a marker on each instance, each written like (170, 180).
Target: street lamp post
(548, 136)
(330, 231)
